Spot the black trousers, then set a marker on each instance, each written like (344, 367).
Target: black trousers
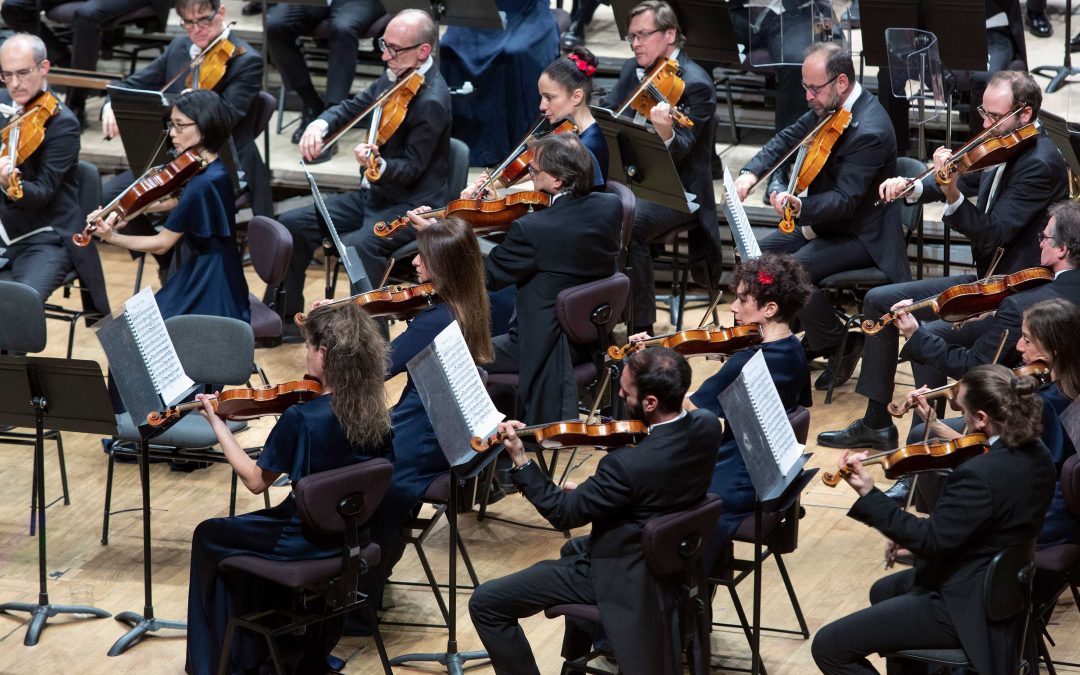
(348, 19)
(42, 266)
(785, 43)
(900, 616)
(821, 257)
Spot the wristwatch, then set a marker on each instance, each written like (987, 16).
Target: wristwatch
(519, 468)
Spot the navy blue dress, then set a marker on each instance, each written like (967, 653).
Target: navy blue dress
(1060, 526)
(791, 374)
(593, 139)
(210, 280)
(307, 439)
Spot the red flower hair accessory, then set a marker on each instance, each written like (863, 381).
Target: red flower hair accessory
(582, 66)
(764, 278)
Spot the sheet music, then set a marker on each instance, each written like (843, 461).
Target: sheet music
(144, 318)
(770, 411)
(738, 222)
(476, 407)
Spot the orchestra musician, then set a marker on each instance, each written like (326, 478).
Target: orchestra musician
(347, 424)
(667, 471)
(415, 160)
(838, 226)
(565, 89)
(36, 229)
(654, 35)
(983, 510)
(1009, 213)
(210, 280)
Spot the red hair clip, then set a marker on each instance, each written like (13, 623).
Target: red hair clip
(582, 66)
(764, 278)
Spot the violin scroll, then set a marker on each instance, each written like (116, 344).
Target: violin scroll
(787, 225)
(872, 327)
(833, 478)
(14, 190)
(82, 239)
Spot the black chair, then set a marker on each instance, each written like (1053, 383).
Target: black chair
(1059, 563)
(1006, 594)
(333, 503)
(672, 546)
(270, 245)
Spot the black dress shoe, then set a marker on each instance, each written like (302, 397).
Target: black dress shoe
(858, 435)
(900, 490)
(1074, 43)
(841, 366)
(1039, 24)
(251, 8)
(325, 155)
(574, 36)
(778, 182)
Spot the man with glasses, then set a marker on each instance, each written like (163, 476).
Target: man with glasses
(35, 230)
(415, 160)
(287, 23)
(1011, 206)
(653, 34)
(838, 226)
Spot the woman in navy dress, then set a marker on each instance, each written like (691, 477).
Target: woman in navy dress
(769, 291)
(348, 424)
(565, 87)
(210, 278)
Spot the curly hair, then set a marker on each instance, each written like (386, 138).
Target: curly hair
(1055, 325)
(775, 277)
(354, 367)
(1011, 403)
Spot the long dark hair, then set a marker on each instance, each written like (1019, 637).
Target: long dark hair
(1055, 325)
(1012, 405)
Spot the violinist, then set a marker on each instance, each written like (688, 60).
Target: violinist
(838, 227)
(654, 36)
(36, 229)
(210, 280)
(347, 424)
(414, 161)
(983, 510)
(665, 472)
(565, 88)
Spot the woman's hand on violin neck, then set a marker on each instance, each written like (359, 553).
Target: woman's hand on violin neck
(106, 227)
(515, 449)
(319, 303)
(891, 189)
(417, 219)
(207, 409)
(858, 478)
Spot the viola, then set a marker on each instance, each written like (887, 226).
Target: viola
(697, 341)
(399, 302)
(159, 182)
(515, 168)
(484, 215)
(964, 301)
(812, 160)
(1034, 369)
(412, 80)
(206, 69)
(661, 84)
(23, 135)
(388, 118)
(245, 403)
(573, 434)
(935, 455)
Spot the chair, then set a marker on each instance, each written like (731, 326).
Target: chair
(672, 546)
(1006, 594)
(1061, 562)
(334, 503)
(853, 285)
(146, 18)
(629, 212)
(253, 125)
(270, 245)
(212, 349)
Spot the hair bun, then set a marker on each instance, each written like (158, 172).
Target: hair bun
(1024, 386)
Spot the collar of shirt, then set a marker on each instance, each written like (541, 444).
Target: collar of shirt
(660, 424)
(641, 71)
(856, 92)
(424, 67)
(994, 439)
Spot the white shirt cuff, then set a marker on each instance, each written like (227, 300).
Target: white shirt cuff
(953, 206)
(668, 141)
(322, 125)
(916, 192)
(808, 232)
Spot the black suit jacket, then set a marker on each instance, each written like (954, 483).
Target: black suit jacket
(840, 200)
(1033, 180)
(691, 149)
(955, 360)
(668, 471)
(572, 242)
(418, 154)
(982, 510)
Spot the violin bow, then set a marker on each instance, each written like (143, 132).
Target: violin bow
(790, 153)
(709, 311)
(521, 147)
(599, 396)
(1001, 346)
(377, 103)
(199, 57)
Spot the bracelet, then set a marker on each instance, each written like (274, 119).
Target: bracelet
(519, 468)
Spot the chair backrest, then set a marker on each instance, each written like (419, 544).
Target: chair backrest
(1007, 590)
(672, 540)
(254, 123)
(22, 318)
(459, 169)
(319, 495)
(800, 423)
(587, 311)
(910, 214)
(88, 183)
(629, 211)
(270, 245)
(213, 349)
(1070, 484)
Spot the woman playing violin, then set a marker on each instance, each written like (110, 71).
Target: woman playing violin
(348, 424)
(565, 88)
(983, 510)
(210, 279)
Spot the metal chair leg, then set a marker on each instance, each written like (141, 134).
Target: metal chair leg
(108, 501)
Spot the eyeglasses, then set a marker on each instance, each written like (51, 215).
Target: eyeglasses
(533, 169)
(394, 51)
(814, 90)
(642, 36)
(11, 75)
(201, 22)
(1042, 236)
(987, 115)
(178, 126)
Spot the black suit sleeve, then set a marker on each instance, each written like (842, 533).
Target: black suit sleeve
(780, 144)
(955, 360)
(244, 79)
(344, 112)
(604, 493)
(425, 122)
(513, 260)
(59, 151)
(861, 164)
(968, 186)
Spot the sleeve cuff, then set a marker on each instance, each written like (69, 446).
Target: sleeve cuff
(808, 232)
(916, 193)
(668, 141)
(322, 125)
(953, 206)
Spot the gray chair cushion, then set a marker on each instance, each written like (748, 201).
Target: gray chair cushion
(22, 318)
(866, 276)
(191, 431)
(213, 349)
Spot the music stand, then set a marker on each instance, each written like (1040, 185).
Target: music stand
(1065, 138)
(960, 26)
(333, 246)
(706, 25)
(72, 395)
(1059, 74)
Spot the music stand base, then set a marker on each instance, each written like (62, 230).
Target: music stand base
(1058, 76)
(40, 613)
(454, 662)
(140, 626)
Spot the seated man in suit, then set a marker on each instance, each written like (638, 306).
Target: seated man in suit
(36, 225)
(667, 471)
(1010, 212)
(654, 35)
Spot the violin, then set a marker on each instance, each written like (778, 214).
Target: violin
(410, 80)
(208, 67)
(697, 341)
(23, 135)
(572, 434)
(515, 168)
(398, 302)
(935, 455)
(812, 158)
(484, 215)
(386, 120)
(247, 404)
(1034, 369)
(157, 183)
(963, 301)
(661, 84)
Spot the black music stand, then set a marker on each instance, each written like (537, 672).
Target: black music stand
(1065, 138)
(72, 395)
(706, 25)
(1059, 74)
(333, 246)
(960, 26)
